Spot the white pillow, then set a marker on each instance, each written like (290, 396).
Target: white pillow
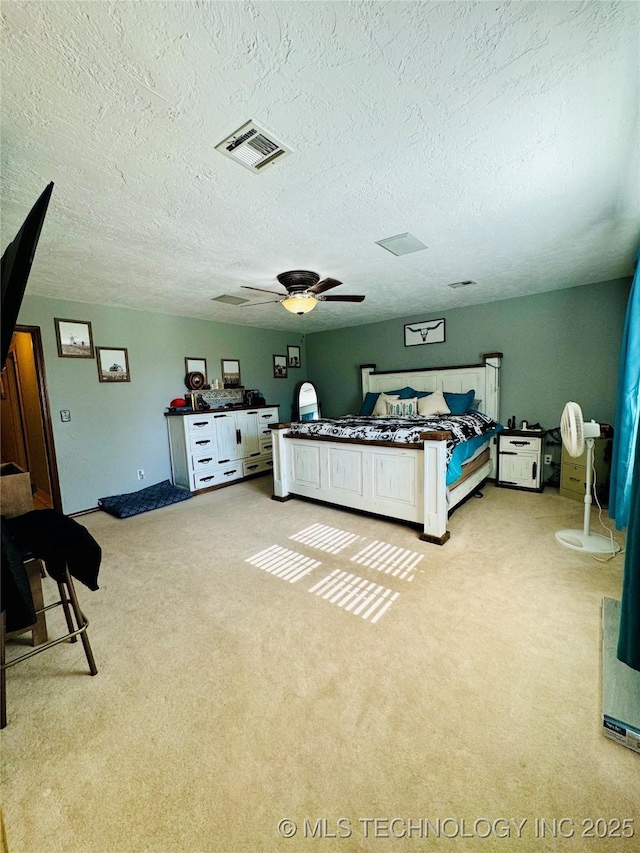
(380, 408)
(400, 408)
(434, 404)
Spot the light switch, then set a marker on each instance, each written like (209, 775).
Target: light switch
(65, 415)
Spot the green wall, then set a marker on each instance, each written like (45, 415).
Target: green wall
(115, 429)
(558, 346)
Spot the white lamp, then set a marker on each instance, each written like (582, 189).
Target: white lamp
(300, 303)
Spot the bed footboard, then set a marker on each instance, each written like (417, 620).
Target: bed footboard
(403, 482)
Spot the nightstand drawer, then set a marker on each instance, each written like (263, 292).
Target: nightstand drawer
(573, 478)
(519, 443)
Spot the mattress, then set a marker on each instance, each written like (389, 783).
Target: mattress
(467, 433)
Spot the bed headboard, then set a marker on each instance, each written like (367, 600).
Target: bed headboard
(484, 378)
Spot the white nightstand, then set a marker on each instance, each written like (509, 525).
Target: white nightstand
(520, 459)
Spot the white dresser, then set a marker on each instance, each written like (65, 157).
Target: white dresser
(217, 447)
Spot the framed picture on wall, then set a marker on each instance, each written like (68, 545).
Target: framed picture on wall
(293, 356)
(424, 332)
(196, 365)
(113, 364)
(280, 367)
(230, 372)
(74, 338)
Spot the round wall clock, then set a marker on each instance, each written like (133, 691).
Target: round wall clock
(194, 381)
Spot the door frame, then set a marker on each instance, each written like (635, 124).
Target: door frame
(45, 411)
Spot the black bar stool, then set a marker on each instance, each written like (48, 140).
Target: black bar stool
(77, 625)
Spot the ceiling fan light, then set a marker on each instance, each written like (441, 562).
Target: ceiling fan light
(300, 303)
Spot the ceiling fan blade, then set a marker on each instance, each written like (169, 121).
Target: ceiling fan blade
(343, 299)
(262, 290)
(325, 284)
(268, 302)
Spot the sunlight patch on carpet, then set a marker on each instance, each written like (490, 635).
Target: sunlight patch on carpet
(390, 559)
(329, 539)
(285, 564)
(355, 595)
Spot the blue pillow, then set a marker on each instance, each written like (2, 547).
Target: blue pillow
(408, 393)
(370, 400)
(459, 404)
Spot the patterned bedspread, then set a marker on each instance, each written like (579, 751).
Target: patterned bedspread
(405, 430)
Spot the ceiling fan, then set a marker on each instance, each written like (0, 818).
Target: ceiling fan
(304, 291)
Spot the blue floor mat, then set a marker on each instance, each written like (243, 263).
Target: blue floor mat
(144, 500)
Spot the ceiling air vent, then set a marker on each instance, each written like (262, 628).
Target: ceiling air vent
(252, 147)
(462, 283)
(229, 300)
(401, 244)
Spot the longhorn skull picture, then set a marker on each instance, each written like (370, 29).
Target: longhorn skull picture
(425, 332)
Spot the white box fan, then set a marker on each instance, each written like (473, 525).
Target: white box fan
(575, 434)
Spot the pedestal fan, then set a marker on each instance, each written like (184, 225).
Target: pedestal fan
(575, 434)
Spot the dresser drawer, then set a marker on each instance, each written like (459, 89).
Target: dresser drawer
(257, 467)
(200, 423)
(267, 416)
(205, 459)
(202, 442)
(206, 479)
(228, 473)
(266, 444)
(573, 478)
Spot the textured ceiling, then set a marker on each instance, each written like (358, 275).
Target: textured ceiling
(502, 135)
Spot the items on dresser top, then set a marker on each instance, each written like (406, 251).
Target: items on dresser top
(220, 446)
(216, 398)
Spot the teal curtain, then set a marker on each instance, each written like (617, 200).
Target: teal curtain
(627, 410)
(624, 497)
(629, 637)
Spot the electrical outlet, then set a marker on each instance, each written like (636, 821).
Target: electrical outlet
(140, 474)
(548, 459)
(65, 416)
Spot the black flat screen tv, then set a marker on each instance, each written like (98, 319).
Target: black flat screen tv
(16, 266)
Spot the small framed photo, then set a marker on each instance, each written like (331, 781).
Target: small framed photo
(424, 332)
(293, 356)
(280, 366)
(196, 365)
(113, 364)
(230, 372)
(74, 338)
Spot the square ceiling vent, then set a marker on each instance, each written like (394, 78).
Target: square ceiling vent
(457, 284)
(252, 147)
(227, 299)
(401, 244)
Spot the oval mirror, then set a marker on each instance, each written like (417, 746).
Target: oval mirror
(306, 406)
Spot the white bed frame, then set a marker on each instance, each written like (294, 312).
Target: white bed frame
(399, 481)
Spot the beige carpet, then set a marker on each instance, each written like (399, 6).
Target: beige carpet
(229, 698)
